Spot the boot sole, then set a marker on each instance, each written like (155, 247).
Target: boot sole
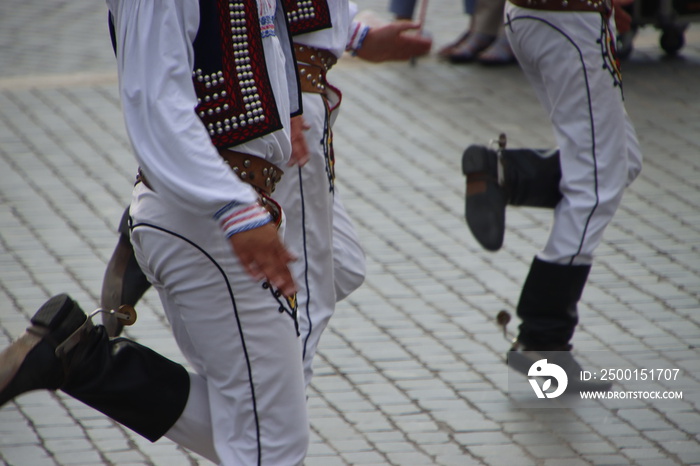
(522, 363)
(519, 362)
(485, 208)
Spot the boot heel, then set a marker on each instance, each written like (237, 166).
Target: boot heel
(30, 362)
(54, 311)
(478, 159)
(61, 316)
(485, 206)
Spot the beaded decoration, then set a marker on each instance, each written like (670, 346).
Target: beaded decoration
(307, 15)
(611, 61)
(234, 95)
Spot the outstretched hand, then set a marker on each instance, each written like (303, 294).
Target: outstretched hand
(394, 41)
(263, 256)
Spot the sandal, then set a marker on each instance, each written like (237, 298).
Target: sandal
(471, 48)
(498, 53)
(448, 49)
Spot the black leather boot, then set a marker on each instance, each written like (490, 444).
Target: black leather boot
(548, 310)
(124, 282)
(128, 382)
(30, 362)
(548, 304)
(528, 177)
(522, 360)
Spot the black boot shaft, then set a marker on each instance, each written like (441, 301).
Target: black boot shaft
(548, 304)
(128, 382)
(532, 177)
(528, 177)
(124, 380)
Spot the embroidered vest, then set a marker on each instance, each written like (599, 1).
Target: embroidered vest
(307, 15)
(235, 99)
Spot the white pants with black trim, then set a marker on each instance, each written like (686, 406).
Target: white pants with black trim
(567, 58)
(247, 403)
(319, 232)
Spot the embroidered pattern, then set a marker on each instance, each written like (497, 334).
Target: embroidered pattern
(287, 304)
(611, 61)
(329, 155)
(359, 33)
(235, 99)
(234, 218)
(307, 15)
(267, 26)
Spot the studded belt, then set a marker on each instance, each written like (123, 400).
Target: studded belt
(600, 6)
(314, 56)
(255, 171)
(312, 65)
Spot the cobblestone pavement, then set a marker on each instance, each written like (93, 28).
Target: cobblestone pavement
(410, 371)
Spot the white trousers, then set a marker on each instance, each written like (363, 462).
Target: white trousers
(331, 262)
(238, 336)
(567, 58)
(349, 265)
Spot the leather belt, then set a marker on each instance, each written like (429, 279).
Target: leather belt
(314, 56)
(312, 65)
(255, 171)
(599, 6)
(311, 78)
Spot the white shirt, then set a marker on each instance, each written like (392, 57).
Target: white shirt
(155, 60)
(336, 38)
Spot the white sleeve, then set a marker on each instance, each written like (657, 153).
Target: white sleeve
(356, 36)
(172, 146)
(356, 30)
(352, 9)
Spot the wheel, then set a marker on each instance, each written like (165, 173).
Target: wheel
(672, 40)
(126, 315)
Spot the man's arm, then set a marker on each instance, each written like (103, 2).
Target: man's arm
(263, 256)
(391, 42)
(171, 144)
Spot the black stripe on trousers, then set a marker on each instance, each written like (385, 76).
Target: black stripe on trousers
(307, 309)
(509, 23)
(235, 311)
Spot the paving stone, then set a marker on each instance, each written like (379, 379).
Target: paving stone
(410, 370)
